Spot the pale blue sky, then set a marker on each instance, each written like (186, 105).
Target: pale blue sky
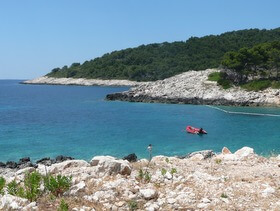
(37, 36)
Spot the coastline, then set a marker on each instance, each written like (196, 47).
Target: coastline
(45, 80)
(203, 180)
(193, 87)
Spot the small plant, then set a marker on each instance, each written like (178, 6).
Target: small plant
(32, 183)
(163, 171)
(147, 176)
(166, 160)
(215, 76)
(13, 188)
(173, 171)
(218, 161)
(2, 185)
(140, 174)
(57, 185)
(132, 205)
(223, 195)
(63, 206)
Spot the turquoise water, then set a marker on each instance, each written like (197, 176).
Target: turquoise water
(41, 120)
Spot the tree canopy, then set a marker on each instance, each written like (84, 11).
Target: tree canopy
(158, 61)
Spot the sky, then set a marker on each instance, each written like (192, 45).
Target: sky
(37, 36)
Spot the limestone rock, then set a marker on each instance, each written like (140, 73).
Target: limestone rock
(205, 153)
(58, 167)
(9, 202)
(244, 152)
(77, 188)
(148, 193)
(225, 151)
(110, 165)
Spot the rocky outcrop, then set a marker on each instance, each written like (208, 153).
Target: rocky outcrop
(131, 157)
(193, 87)
(82, 82)
(241, 180)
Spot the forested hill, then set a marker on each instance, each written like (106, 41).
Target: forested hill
(159, 61)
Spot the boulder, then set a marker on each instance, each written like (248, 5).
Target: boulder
(225, 151)
(24, 160)
(197, 157)
(77, 188)
(205, 153)
(58, 167)
(131, 157)
(9, 202)
(2, 165)
(62, 158)
(148, 193)
(26, 165)
(244, 152)
(11, 164)
(110, 165)
(46, 161)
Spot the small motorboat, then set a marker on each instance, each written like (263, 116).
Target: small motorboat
(194, 130)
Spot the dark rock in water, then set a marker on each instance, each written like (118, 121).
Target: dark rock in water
(24, 160)
(131, 157)
(62, 158)
(46, 161)
(11, 164)
(2, 165)
(26, 164)
(206, 154)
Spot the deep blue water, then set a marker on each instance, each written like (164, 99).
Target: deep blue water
(41, 120)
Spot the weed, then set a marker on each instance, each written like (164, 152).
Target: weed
(2, 185)
(13, 188)
(57, 185)
(166, 160)
(147, 177)
(215, 76)
(63, 206)
(163, 171)
(173, 171)
(218, 161)
(132, 205)
(141, 174)
(32, 185)
(223, 195)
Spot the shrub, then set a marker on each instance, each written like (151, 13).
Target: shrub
(173, 171)
(63, 206)
(2, 185)
(141, 174)
(257, 85)
(223, 195)
(13, 188)
(32, 183)
(57, 185)
(132, 205)
(225, 83)
(214, 76)
(275, 85)
(147, 177)
(218, 161)
(163, 171)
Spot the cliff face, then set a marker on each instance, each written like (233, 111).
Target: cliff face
(200, 181)
(193, 87)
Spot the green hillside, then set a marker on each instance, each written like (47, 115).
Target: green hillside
(159, 61)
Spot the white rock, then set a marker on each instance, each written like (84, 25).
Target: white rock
(59, 167)
(171, 200)
(8, 202)
(202, 205)
(168, 175)
(268, 191)
(148, 193)
(197, 157)
(77, 188)
(244, 152)
(110, 165)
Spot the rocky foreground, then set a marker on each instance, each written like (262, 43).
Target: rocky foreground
(200, 181)
(81, 82)
(193, 87)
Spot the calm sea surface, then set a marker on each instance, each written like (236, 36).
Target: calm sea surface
(40, 120)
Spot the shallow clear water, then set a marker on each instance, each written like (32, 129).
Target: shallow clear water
(41, 120)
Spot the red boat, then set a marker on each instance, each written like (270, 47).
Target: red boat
(194, 130)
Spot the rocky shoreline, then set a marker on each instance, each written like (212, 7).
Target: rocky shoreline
(81, 82)
(200, 181)
(193, 87)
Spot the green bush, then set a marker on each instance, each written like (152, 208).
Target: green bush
(214, 76)
(57, 185)
(163, 171)
(63, 206)
(132, 205)
(2, 185)
(275, 85)
(257, 85)
(226, 84)
(32, 183)
(13, 188)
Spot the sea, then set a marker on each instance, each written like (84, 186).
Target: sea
(39, 121)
